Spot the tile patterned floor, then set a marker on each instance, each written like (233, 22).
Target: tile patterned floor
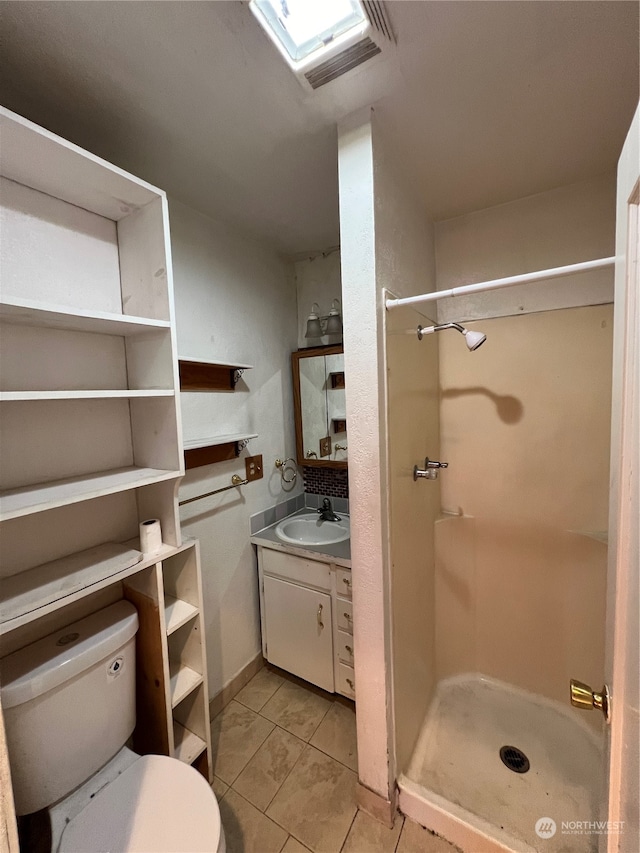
(285, 765)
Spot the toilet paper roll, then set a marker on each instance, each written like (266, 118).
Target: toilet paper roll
(150, 536)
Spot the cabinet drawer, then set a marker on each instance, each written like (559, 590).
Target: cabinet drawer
(344, 645)
(297, 569)
(346, 681)
(345, 615)
(343, 582)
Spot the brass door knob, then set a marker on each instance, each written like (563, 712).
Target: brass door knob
(582, 696)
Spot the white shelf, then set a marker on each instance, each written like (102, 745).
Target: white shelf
(44, 496)
(183, 680)
(31, 590)
(37, 158)
(214, 440)
(30, 313)
(177, 613)
(188, 746)
(230, 363)
(19, 396)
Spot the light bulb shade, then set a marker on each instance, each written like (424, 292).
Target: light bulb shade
(334, 324)
(314, 328)
(474, 339)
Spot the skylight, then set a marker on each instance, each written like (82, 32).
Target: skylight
(304, 26)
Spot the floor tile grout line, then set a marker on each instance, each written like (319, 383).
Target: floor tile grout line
(263, 704)
(349, 830)
(287, 776)
(404, 823)
(274, 822)
(293, 733)
(253, 754)
(264, 811)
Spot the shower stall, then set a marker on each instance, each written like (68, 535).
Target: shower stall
(498, 573)
(483, 588)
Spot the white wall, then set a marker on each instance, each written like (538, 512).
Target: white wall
(235, 299)
(386, 241)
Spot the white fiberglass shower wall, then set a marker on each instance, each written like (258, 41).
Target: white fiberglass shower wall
(520, 544)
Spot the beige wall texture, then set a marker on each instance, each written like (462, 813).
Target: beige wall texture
(413, 426)
(521, 573)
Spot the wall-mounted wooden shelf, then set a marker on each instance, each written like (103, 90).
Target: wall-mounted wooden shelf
(337, 380)
(198, 375)
(216, 448)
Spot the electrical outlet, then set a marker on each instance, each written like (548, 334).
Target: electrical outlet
(325, 446)
(253, 468)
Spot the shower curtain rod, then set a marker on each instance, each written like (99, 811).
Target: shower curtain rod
(494, 284)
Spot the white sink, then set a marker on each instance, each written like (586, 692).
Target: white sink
(310, 529)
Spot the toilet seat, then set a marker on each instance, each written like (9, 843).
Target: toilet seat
(157, 804)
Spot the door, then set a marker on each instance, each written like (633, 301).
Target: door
(298, 626)
(622, 663)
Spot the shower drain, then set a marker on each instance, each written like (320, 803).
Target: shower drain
(514, 759)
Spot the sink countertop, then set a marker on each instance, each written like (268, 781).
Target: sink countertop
(338, 553)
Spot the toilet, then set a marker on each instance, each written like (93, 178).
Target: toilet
(69, 709)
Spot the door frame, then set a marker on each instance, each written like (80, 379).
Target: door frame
(622, 641)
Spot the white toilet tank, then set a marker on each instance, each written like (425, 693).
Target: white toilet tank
(69, 704)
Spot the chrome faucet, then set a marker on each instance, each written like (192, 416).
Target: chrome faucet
(326, 512)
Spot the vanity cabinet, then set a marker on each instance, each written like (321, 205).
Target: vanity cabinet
(306, 617)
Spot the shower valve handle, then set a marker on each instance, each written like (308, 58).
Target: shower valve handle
(428, 463)
(430, 470)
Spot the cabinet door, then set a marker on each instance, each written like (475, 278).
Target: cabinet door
(298, 626)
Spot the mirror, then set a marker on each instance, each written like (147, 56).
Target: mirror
(319, 407)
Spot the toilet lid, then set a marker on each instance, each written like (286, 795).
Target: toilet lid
(157, 804)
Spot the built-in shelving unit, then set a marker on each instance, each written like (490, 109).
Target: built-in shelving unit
(173, 698)
(198, 375)
(90, 422)
(89, 387)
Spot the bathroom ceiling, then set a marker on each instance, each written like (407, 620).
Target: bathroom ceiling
(490, 101)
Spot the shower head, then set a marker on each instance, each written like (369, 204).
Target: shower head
(473, 339)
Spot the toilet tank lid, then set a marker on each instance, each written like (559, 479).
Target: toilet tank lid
(46, 664)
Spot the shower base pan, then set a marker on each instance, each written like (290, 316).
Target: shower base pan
(458, 786)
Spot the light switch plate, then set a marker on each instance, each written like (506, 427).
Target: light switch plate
(253, 467)
(325, 446)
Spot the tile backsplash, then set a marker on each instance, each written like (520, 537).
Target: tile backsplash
(328, 482)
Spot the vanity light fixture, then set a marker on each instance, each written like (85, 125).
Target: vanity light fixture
(314, 326)
(334, 320)
(318, 326)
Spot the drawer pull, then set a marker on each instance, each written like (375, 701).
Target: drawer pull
(347, 581)
(351, 684)
(319, 616)
(347, 616)
(350, 650)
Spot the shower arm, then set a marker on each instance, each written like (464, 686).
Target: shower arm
(429, 330)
